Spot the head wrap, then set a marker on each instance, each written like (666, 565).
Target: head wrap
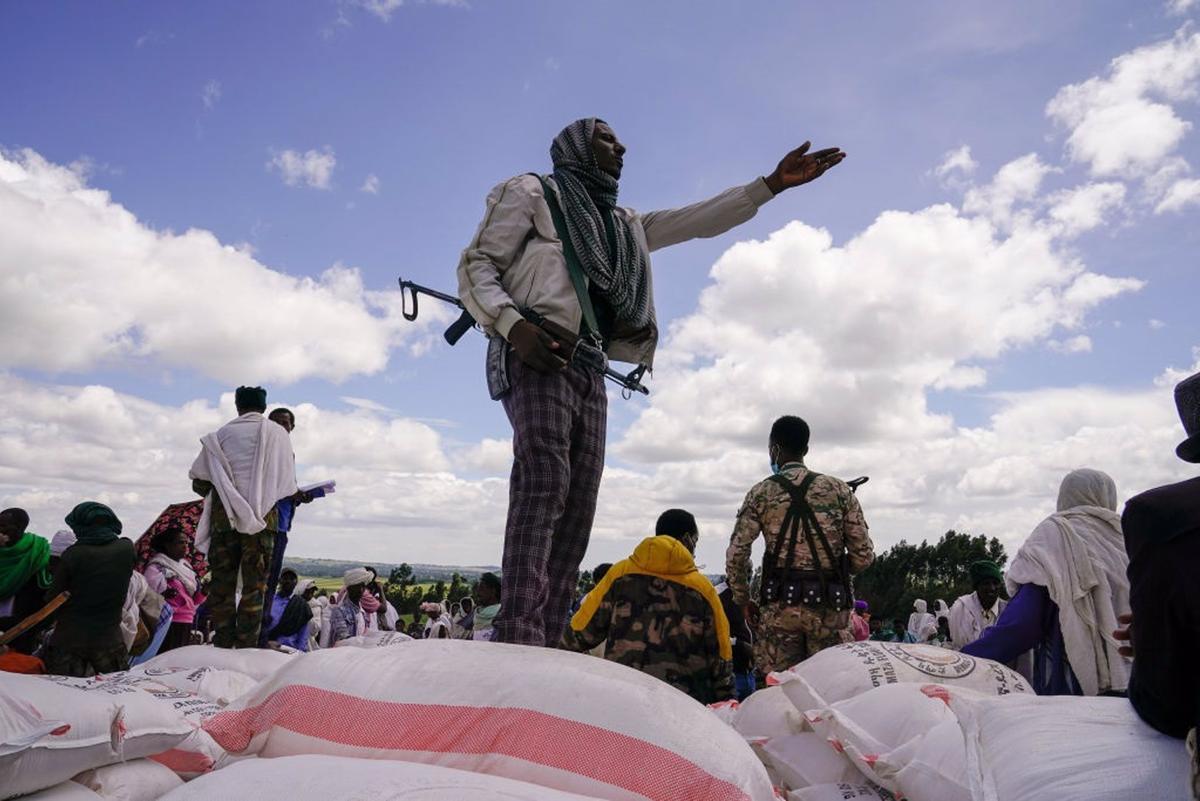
(985, 569)
(861, 606)
(356, 575)
(250, 398)
(302, 587)
(921, 606)
(1087, 487)
(608, 252)
(62, 540)
(28, 558)
(94, 523)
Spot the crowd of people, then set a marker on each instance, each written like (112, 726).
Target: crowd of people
(87, 602)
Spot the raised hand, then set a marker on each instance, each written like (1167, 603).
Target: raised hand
(800, 167)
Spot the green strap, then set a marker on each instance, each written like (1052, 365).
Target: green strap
(573, 268)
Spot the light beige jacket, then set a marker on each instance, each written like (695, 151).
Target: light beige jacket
(516, 260)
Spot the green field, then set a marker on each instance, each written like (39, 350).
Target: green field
(332, 584)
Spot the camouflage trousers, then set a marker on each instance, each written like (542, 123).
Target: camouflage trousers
(786, 635)
(84, 662)
(236, 623)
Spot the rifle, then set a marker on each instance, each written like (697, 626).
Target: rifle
(855, 483)
(36, 618)
(576, 348)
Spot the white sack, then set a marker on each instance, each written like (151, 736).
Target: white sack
(258, 663)
(136, 780)
(218, 686)
(328, 778)
(768, 713)
(1064, 747)
(550, 717)
(844, 671)
(841, 792)
(90, 728)
(807, 759)
(375, 639)
(904, 737)
(66, 791)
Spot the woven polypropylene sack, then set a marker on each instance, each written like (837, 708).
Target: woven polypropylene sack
(86, 729)
(330, 778)
(258, 663)
(136, 780)
(807, 759)
(842, 791)
(845, 671)
(212, 684)
(375, 639)
(768, 713)
(64, 791)
(549, 717)
(904, 737)
(1063, 748)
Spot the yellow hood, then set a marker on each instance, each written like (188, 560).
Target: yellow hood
(665, 558)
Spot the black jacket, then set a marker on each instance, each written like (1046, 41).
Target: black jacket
(1162, 538)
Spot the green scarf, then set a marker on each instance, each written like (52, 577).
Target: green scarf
(484, 615)
(29, 557)
(94, 523)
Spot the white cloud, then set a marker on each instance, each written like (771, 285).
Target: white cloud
(1156, 324)
(385, 8)
(1076, 344)
(955, 165)
(1177, 8)
(395, 498)
(1085, 207)
(311, 168)
(1123, 124)
(370, 185)
(1015, 184)
(101, 289)
(211, 93)
(1181, 194)
(493, 456)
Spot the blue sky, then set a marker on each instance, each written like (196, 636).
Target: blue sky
(178, 109)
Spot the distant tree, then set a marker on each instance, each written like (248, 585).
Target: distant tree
(586, 582)
(401, 575)
(905, 572)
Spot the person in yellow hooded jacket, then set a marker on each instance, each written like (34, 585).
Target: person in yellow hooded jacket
(657, 613)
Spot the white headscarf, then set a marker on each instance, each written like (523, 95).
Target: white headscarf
(921, 624)
(172, 568)
(356, 575)
(1078, 555)
(63, 539)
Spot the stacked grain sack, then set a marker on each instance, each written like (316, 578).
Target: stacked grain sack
(884, 720)
(562, 721)
(129, 736)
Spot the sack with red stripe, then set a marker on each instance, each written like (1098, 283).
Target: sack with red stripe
(329, 778)
(561, 720)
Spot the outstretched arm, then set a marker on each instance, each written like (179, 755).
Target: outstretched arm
(735, 206)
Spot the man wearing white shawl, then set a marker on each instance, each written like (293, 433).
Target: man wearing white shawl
(921, 624)
(243, 469)
(1068, 587)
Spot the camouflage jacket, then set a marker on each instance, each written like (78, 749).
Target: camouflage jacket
(766, 504)
(655, 615)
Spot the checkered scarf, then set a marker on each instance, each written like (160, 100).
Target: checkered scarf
(588, 195)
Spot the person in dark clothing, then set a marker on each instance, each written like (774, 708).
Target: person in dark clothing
(743, 643)
(1162, 538)
(96, 570)
(25, 576)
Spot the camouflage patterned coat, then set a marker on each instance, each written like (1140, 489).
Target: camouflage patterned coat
(658, 614)
(788, 635)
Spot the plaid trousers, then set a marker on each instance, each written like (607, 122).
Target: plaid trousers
(559, 426)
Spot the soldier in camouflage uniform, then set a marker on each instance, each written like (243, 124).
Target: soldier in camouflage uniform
(658, 614)
(787, 634)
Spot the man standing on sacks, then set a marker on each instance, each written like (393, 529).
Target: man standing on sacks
(243, 470)
(558, 249)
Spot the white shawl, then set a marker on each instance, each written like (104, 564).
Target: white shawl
(921, 624)
(1078, 554)
(967, 622)
(250, 463)
(173, 569)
